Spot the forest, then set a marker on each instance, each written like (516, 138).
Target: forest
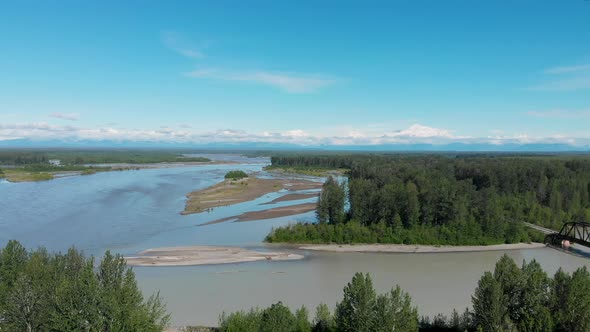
(42, 291)
(21, 157)
(510, 299)
(442, 199)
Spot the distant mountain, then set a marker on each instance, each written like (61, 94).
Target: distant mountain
(483, 147)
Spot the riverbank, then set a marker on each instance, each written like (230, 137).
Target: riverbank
(21, 174)
(311, 171)
(230, 192)
(404, 248)
(292, 197)
(283, 211)
(204, 255)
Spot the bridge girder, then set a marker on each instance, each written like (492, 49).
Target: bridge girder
(575, 232)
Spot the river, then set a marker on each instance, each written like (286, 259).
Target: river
(129, 211)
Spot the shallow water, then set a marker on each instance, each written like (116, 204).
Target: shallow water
(129, 211)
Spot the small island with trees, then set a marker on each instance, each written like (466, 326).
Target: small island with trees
(235, 175)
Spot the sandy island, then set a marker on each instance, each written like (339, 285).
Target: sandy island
(292, 197)
(202, 255)
(283, 211)
(403, 248)
(238, 191)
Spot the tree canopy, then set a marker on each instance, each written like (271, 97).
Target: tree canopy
(442, 199)
(236, 175)
(40, 291)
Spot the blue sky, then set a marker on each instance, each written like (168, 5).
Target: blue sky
(330, 72)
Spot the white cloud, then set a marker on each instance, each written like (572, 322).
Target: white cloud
(289, 82)
(65, 116)
(567, 69)
(181, 45)
(560, 114)
(572, 78)
(417, 130)
(569, 84)
(415, 134)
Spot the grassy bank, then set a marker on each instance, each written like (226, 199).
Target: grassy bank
(20, 175)
(42, 172)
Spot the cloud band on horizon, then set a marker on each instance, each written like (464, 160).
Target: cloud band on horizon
(415, 134)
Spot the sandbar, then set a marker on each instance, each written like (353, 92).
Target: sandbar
(204, 255)
(291, 197)
(283, 211)
(230, 192)
(408, 248)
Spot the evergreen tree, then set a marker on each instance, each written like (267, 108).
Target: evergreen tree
(323, 321)
(412, 208)
(330, 208)
(277, 318)
(356, 311)
(511, 281)
(302, 323)
(534, 314)
(575, 315)
(490, 313)
(394, 312)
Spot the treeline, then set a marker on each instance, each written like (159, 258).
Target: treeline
(312, 160)
(40, 291)
(77, 157)
(361, 310)
(482, 198)
(510, 299)
(11, 157)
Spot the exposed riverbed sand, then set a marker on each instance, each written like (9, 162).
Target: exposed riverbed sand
(283, 211)
(292, 197)
(202, 255)
(237, 191)
(402, 248)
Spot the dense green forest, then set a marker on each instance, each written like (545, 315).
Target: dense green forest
(442, 199)
(79, 157)
(510, 299)
(40, 291)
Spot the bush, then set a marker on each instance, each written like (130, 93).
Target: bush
(236, 175)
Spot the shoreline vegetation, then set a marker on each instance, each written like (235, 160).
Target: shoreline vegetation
(444, 199)
(32, 165)
(23, 174)
(204, 255)
(231, 191)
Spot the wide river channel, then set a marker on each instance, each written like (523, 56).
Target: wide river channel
(128, 211)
